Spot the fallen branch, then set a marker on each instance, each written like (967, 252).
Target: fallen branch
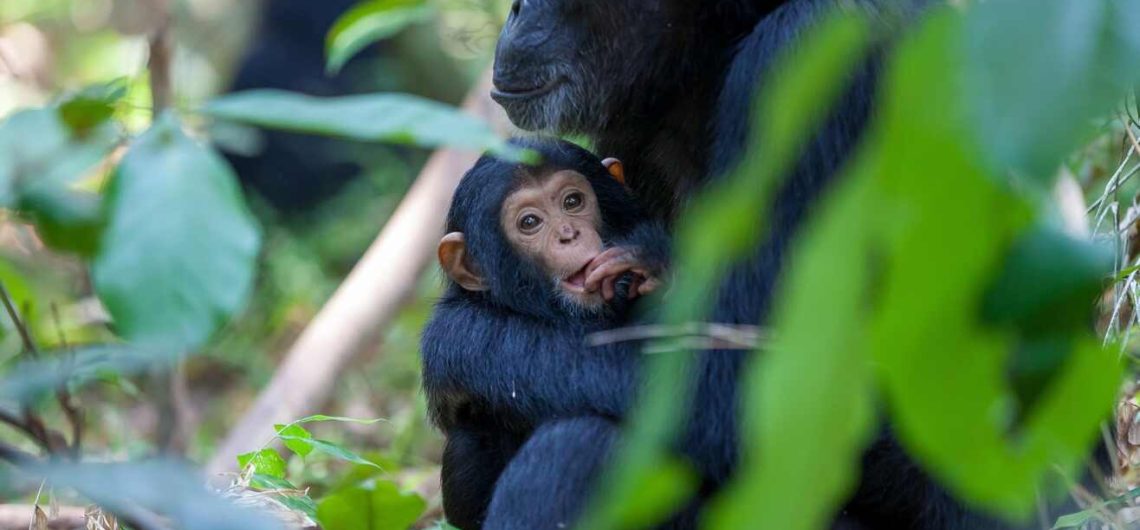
(365, 303)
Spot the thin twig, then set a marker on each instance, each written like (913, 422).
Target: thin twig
(21, 327)
(161, 56)
(15, 456)
(15, 421)
(708, 334)
(72, 412)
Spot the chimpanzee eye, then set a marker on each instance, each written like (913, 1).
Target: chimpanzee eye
(573, 201)
(529, 223)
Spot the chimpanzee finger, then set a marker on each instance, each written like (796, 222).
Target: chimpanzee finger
(648, 286)
(608, 287)
(610, 268)
(635, 286)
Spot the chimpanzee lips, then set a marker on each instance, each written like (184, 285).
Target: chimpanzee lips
(577, 281)
(501, 92)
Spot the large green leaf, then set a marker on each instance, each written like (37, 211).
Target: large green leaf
(949, 223)
(1039, 72)
(369, 22)
(395, 118)
(178, 255)
(719, 227)
(376, 506)
(809, 407)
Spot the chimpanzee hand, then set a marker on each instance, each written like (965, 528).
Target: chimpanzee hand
(604, 270)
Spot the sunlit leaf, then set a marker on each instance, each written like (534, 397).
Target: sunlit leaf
(330, 449)
(264, 462)
(298, 441)
(369, 22)
(179, 250)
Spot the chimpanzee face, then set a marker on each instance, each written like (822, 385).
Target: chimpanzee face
(565, 65)
(555, 222)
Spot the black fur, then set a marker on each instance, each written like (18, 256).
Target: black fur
(499, 364)
(666, 85)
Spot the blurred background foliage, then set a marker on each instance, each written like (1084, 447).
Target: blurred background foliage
(318, 201)
(316, 220)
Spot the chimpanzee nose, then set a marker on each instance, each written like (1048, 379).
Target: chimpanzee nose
(567, 234)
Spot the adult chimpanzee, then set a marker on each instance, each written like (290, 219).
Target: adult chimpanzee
(666, 86)
(537, 258)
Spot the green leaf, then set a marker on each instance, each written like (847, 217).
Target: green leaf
(167, 488)
(719, 227)
(1074, 520)
(330, 449)
(809, 401)
(369, 22)
(949, 222)
(341, 419)
(31, 379)
(299, 438)
(40, 155)
(67, 220)
(92, 105)
(299, 502)
(179, 251)
(264, 462)
(1039, 72)
(1048, 282)
(394, 118)
(266, 482)
(666, 487)
(379, 506)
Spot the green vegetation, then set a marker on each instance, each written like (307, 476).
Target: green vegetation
(941, 279)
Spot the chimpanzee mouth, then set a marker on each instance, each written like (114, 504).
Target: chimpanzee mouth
(513, 93)
(576, 282)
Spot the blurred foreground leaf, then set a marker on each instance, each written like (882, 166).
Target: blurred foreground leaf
(719, 227)
(30, 379)
(950, 226)
(1039, 73)
(369, 22)
(178, 255)
(394, 118)
(166, 488)
(92, 105)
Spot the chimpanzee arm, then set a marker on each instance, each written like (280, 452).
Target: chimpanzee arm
(522, 367)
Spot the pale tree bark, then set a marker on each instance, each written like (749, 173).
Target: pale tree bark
(372, 294)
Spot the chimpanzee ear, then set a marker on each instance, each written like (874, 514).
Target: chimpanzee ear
(453, 260)
(617, 171)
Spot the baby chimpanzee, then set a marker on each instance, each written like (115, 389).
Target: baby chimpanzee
(537, 257)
